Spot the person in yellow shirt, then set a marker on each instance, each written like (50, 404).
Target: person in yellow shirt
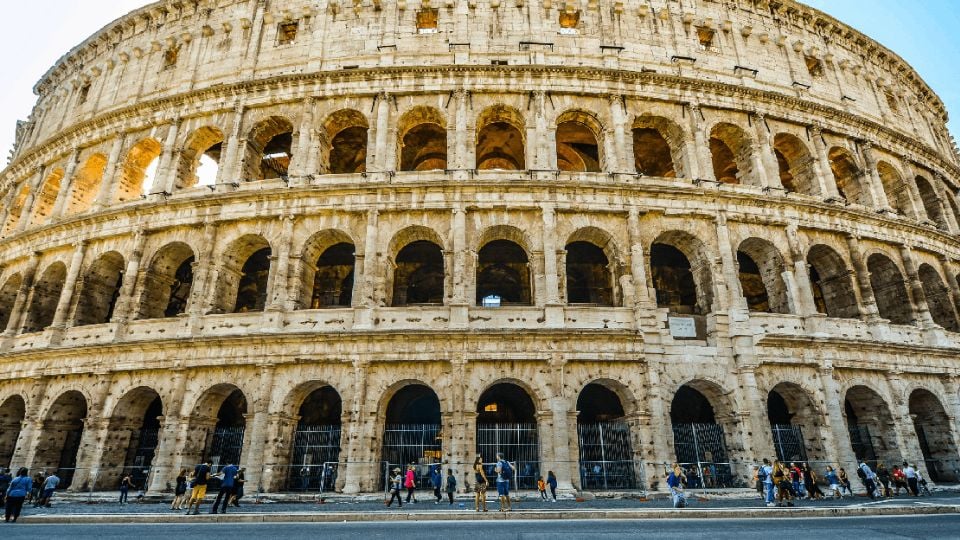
(542, 486)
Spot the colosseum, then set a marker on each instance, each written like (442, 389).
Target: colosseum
(321, 238)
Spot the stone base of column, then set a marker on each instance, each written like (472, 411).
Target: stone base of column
(363, 318)
(459, 316)
(553, 315)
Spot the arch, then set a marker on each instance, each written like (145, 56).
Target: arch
(870, 426)
(578, 148)
(503, 272)
(16, 208)
(795, 423)
(101, 289)
(61, 433)
(328, 260)
(935, 435)
(422, 140)
(657, 147)
(47, 197)
(606, 445)
(269, 149)
(795, 163)
(218, 424)
(895, 189)
(889, 290)
(847, 176)
(316, 438)
(13, 411)
(681, 273)
(702, 421)
(500, 139)
(588, 274)
(86, 184)
(931, 202)
(168, 282)
(8, 297)
(507, 423)
(200, 158)
(244, 275)
(730, 150)
(831, 283)
(44, 297)
(138, 171)
(418, 274)
(760, 267)
(938, 298)
(412, 429)
(132, 437)
(347, 138)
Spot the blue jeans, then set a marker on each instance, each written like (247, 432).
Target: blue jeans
(768, 486)
(503, 488)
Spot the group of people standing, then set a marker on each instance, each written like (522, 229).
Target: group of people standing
(878, 482)
(232, 479)
(20, 489)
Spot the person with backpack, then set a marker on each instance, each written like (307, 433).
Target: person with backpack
(410, 482)
(675, 482)
(504, 477)
(16, 493)
(451, 485)
(765, 475)
(49, 486)
(436, 478)
(5, 480)
(868, 478)
(883, 476)
(552, 482)
(922, 483)
(834, 481)
(899, 480)
(201, 475)
(395, 482)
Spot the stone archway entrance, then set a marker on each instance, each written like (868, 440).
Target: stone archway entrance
(132, 438)
(412, 432)
(12, 412)
(870, 425)
(794, 424)
(59, 443)
(316, 442)
(507, 423)
(935, 436)
(699, 440)
(606, 452)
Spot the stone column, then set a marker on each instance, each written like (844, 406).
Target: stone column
(364, 299)
(356, 470)
(255, 436)
(26, 211)
(378, 135)
(459, 306)
(234, 148)
(619, 159)
(32, 425)
(554, 310)
(770, 169)
(915, 289)
(167, 459)
(655, 429)
(387, 134)
(66, 186)
(202, 290)
(803, 292)
(541, 139)
(277, 451)
(862, 274)
(166, 178)
(19, 304)
(875, 184)
(111, 175)
(837, 426)
(95, 430)
(908, 444)
(951, 386)
(637, 283)
(306, 150)
(735, 298)
(701, 145)
(827, 183)
(67, 294)
(280, 290)
(123, 311)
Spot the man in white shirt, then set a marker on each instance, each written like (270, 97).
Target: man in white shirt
(911, 475)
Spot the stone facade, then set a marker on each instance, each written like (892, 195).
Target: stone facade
(663, 219)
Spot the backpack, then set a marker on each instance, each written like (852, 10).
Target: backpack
(861, 474)
(506, 471)
(762, 474)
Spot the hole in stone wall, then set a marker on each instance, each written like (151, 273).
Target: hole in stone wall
(333, 281)
(138, 171)
(569, 20)
(831, 283)
(588, 275)
(8, 297)
(889, 290)
(427, 21)
(418, 276)
(846, 174)
(45, 200)
(200, 159)
(252, 287)
(577, 148)
(287, 32)
(814, 66)
(938, 298)
(500, 141)
(931, 202)
(795, 164)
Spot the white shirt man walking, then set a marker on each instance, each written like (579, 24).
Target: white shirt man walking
(911, 475)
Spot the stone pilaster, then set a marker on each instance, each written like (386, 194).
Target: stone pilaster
(700, 145)
(868, 304)
(770, 170)
(167, 460)
(66, 187)
(824, 173)
(17, 312)
(69, 286)
(280, 286)
(166, 176)
(915, 289)
(111, 174)
(234, 148)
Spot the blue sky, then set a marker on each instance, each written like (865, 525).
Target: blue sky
(924, 32)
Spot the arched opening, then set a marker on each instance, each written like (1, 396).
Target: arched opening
(138, 172)
(423, 140)
(412, 431)
(889, 290)
(796, 165)
(316, 442)
(59, 441)
(847, 176)
(760, 268)
(101, 289)
(168, 282)
(588, 273)
(85, 185)
(606, 449)
(47, 197)
(699, 438)
(898, 195)
(935, 436)
(830, 280)
(507, 423)
(577, 146)
(730, 150)
(870, 425)
(503, 274)
(931, 202)
(45, 296)
(12, 413)
(252, 288)
(500, 140)
(346, 131)
(333, 278)
(657, 147)
(243, 276)
(200, 158)
(795, 424)
(681, 274)
(8, 297)
(938, 298)
(226, 443)
(269, 150)
(16, 208)
(134, 432)
(418, 276)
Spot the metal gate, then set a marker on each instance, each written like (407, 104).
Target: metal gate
(313, 447)
(606, 456)
(226, 445)
(520, 445)
(788, 441)
(141, 455)
(704, 447)
(68, 456)
(416, 444)
(934, 466)
(862, 443)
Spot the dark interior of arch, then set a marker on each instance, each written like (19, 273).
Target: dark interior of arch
(180, 289)
(333, 281)
(725, 168)
(277, 153)
(786, 177)
(577, 148)
(46, 295)
(502, 270)
(62, 433)
(777, 410)
(831, 284)
(500, 146)
(232, 411)
(673, 279)
(934, 435)
(588, 275)
(418, 277)
(8, 296)
(751, 281)
(348, 151)
(252, 290)
(689, 406)
(414, 404)
(506, 403)
(101, 290)
(871, 426)
(889, 290)
(12, 412)
(931, 202)
(938, 298)
(651, 153)
(424, 148)
(846, 174)
(323, 407)
(597, 403)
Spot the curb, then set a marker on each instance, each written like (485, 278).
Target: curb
(329, 517)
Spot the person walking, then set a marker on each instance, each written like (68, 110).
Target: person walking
(5, 480)
(179, 491)
(542, 488)
(883, 476)
(238, 483)
(34, 494)
(504, 477)
(844, 481)
(795, 481)
(410, 482)
(869, 479)
(49, 486)
(765, 474)
(395, 482)
(899, 480)
(436, 479)
(451, 485)
(834, 481)
(480, 485)
(125, 484)
(810, 482)
(911, 474)
(552, 482)
(16, 493)
(675, 481)
(922, 483)
(201, 475)
(781, 477)
(228, 476)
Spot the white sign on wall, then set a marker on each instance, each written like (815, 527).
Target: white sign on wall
(683, 327)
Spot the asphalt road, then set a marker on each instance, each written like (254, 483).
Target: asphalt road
(872, 528)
